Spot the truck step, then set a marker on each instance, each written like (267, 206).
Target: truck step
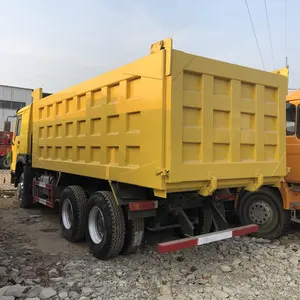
(294, 203)
(295, 220)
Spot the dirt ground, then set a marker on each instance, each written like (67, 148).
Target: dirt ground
(37, 263)
(40, 224)
(5, 184)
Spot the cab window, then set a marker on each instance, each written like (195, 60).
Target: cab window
(18, 126)
(290, 119)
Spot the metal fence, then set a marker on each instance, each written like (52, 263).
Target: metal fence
(7, 191)
(5, 186)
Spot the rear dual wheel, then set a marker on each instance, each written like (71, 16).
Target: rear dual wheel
(72, 207)
(107, 232)
(133, 236)
(101, 221)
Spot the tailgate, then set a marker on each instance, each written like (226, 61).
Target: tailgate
(227, 123)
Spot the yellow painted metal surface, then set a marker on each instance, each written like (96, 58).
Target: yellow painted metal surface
(170, 121)
(292, 139)
(226, 123)
(21, 143)
(283, 71)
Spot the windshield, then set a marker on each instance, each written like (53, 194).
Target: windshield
(290, 119)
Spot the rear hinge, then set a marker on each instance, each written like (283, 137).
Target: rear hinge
(163, 173)
(157, 47)
(283, 72)
(255, 184)
(209, 188)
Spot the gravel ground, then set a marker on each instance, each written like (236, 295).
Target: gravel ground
(5, 184)
(36, 263)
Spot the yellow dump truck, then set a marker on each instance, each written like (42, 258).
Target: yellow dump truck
(150, 145)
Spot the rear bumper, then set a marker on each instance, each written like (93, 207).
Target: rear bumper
(206, 238)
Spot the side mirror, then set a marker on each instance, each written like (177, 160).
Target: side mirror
(7, 126)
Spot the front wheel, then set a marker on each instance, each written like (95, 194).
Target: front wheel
(24, 195)
(265, 209)
(105, 225)
(20, 191)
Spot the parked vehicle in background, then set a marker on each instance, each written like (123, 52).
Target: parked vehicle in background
(274, 208)
(5, 148)
(152, 145)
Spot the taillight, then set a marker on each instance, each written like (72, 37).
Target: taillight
(143, 205)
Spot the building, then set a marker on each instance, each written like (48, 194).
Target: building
(290, 91)
(11, 99)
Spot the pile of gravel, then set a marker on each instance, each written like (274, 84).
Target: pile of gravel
(240, 268)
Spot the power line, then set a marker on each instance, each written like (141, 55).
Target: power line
(285, 26)
(271, 44)
(262, 61)
(285, 48)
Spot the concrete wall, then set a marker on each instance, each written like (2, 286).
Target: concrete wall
(12, 94)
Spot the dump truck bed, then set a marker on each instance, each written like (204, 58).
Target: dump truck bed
(171, 121)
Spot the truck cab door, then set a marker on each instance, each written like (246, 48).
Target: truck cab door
(293, 141)
(21, 147)
(16, 142)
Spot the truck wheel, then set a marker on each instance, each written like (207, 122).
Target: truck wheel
(205, 221)
(72, 207)
(265, 209)
(105, 225)
(24, 193)
(133, 236)
(4, 163)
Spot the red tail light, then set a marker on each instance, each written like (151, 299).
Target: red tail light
(143, 205)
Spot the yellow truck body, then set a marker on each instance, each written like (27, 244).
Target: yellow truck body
(170, 121)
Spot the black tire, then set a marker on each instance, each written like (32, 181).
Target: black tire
(265, 209)
(72, 212)
(102, 207)
(24, 189)
(133, 236)
(205, 221)
(4, 163)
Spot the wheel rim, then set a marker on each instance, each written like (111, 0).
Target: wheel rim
(20, 191)
(96, 225)
(261, 213)
(67, 213)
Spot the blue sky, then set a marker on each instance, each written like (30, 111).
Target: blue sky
(55, 44)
